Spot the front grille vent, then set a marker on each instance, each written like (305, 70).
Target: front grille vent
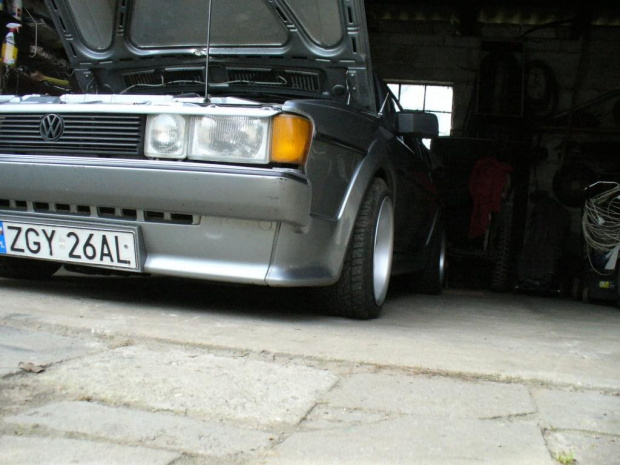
(303, 81)
(163, 76)
(116, 213)
(308, 82)
(83, 134)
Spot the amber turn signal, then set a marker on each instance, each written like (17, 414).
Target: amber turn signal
(290, 141)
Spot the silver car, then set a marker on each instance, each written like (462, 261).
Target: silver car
(243, 141)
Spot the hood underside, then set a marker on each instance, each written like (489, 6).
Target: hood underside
(309, 47)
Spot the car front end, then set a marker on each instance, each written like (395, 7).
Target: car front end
(188, 190)
(238, 142)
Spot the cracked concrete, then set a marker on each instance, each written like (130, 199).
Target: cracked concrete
(429, 396)
(587, 411)
(60, 451)
(17, 346)
(157, 430)
(191, 382)
(587, 448)
(413, 439)
(443, 380)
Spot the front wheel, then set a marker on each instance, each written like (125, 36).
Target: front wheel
(363, 284)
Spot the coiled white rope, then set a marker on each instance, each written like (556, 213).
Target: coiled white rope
(601, 222)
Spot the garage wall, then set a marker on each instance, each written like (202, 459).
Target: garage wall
(434, 52)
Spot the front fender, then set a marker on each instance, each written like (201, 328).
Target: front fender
(314, 255)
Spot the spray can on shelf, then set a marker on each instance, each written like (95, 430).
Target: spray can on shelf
(9, 49)
(17, 9)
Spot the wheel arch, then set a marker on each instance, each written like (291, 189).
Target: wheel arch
(329, 235)
(388, 177)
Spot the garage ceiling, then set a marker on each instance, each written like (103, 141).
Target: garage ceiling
(522, 12)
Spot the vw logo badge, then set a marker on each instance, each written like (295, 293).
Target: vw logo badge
(52, 127)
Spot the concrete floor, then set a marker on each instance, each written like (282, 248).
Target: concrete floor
(169, 371)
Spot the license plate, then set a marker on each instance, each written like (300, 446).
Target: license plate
(89, 246)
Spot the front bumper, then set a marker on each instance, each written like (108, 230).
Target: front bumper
(190, 188)
(240, 213)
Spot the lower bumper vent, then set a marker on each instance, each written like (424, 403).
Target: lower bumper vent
(104, 212)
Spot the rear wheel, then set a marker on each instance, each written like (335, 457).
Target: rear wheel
(363, 284)
(17, 268)
(431, 279)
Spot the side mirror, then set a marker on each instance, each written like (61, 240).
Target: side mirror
(424, 125)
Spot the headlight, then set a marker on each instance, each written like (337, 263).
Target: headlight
(279, 138)
(235, 139)
(165, 136)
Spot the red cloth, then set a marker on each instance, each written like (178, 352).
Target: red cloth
(486, 186)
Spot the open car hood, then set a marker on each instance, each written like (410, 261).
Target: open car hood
(305, 47)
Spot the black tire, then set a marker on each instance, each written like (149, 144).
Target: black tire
(431, 279)
(577, 287)
(501, 252)
(585, 295)
(361, 289)
(18, 268)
